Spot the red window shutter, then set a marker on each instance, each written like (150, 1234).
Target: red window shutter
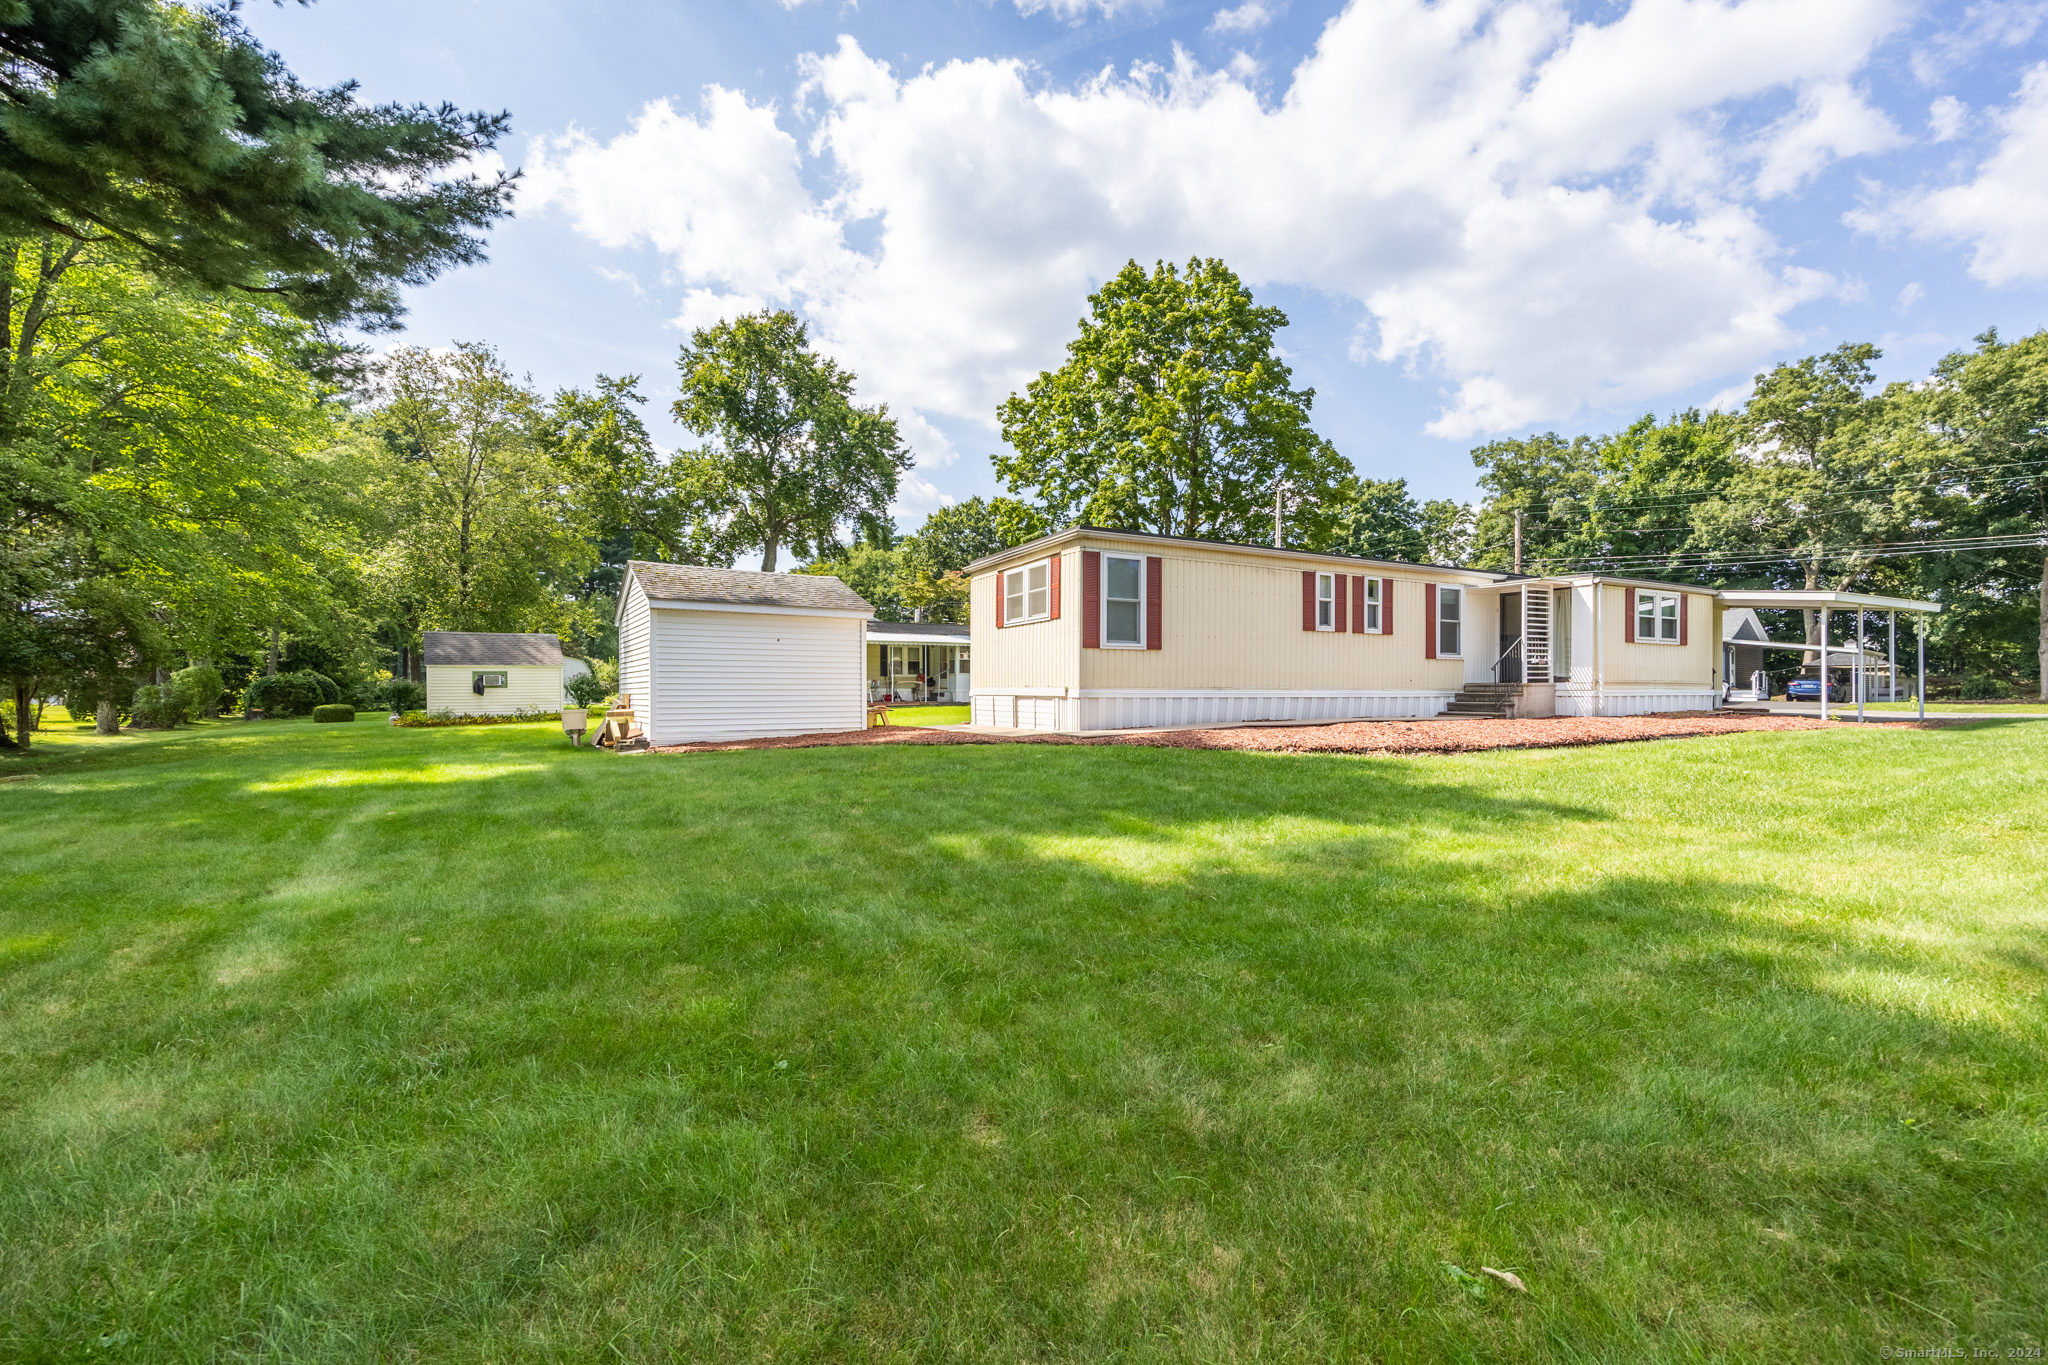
(1155, 603)
(1002, 588)
(1340, 612)
(1684, 615)
(1357, 605)
(1429, 620)
(1308, 599)
(1052, 583)
(1091, 599)
(1386, 606)
(1628, 615)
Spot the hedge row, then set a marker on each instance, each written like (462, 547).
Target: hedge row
(419, 719)
(340, 711)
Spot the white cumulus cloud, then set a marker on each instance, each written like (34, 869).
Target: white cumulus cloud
(2001, 212)
(1545, 215)
(1246, 18)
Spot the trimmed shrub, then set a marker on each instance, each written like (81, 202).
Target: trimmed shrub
(403, 694)
(588, 689)
(199, 689)
(157, 708)
(338, 711)
(330, 690)
(287, 694)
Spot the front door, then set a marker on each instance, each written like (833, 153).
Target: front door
(1509, 649)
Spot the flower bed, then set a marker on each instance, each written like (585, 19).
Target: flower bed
(424, 719)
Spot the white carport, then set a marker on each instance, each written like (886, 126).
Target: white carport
(1827, 603)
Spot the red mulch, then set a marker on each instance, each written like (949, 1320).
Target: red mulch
(1340, 737)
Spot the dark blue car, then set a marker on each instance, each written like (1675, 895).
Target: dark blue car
(1808, 689)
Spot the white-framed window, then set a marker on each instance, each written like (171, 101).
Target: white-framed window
(1450, 623)
(1123, 602)
(1657, 617)
(1372, 606)
(1027, 593)
(1326, 601)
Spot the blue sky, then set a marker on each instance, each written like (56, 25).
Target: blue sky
(1482, 218)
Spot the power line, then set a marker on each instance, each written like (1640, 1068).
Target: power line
(1799, 554)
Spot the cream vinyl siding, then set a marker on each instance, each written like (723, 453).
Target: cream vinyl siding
(744, 675)
(633, 641)
(1232, 621)
(1660, 666)
(526, 685)
(1039, 654)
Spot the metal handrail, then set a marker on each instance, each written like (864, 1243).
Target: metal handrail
(1504, 654)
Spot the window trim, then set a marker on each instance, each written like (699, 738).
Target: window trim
(1106, 642)
(1025, 618)
(1326, 607)
(1447, 592)
(1651, 604)
(1371, 594)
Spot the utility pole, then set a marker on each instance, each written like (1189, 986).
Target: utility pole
(1279, 491)
(1518, 540)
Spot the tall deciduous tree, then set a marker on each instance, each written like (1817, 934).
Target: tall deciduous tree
(167, 128)
(151, 452)
(1993, 405)
(1175, 414)
(480, 529)
(795, 457)
(1382, 520)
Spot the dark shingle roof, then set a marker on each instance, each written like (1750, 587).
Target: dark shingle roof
(936, 630)
(489, 649)
(738, 587)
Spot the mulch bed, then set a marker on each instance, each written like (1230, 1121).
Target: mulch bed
(1338, 737)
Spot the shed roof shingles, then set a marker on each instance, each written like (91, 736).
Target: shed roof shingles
(740, 587)
(491, 649)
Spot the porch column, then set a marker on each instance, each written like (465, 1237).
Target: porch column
(1824, 663)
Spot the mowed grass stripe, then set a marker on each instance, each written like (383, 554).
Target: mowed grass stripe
(344, 1042)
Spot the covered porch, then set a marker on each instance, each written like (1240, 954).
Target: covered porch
(912, 662)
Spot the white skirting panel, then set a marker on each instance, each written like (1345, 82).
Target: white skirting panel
(1020, 711)
(1580, 699)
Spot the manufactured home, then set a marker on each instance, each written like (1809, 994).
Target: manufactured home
(1092, 629)
(723, 654)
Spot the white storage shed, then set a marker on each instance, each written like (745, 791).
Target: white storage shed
(485, 673)
(718, 654)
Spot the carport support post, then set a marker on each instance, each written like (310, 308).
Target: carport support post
(1891, 655)
(1856, 678)
(1823, 663)
(1921, 687)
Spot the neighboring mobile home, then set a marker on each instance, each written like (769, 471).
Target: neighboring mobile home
(1090, 629)
(484, 673)
(918, 661)
(718, 654)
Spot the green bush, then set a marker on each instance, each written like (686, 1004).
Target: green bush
(337, 711)
(588, 689)
(199, 689)
(157, 708)
(330, 690)
(1984, 687)
(287, 694)
(403, 694)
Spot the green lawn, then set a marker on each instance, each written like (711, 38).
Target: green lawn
(345, 1043)
(2002, 708)
(928, 715)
